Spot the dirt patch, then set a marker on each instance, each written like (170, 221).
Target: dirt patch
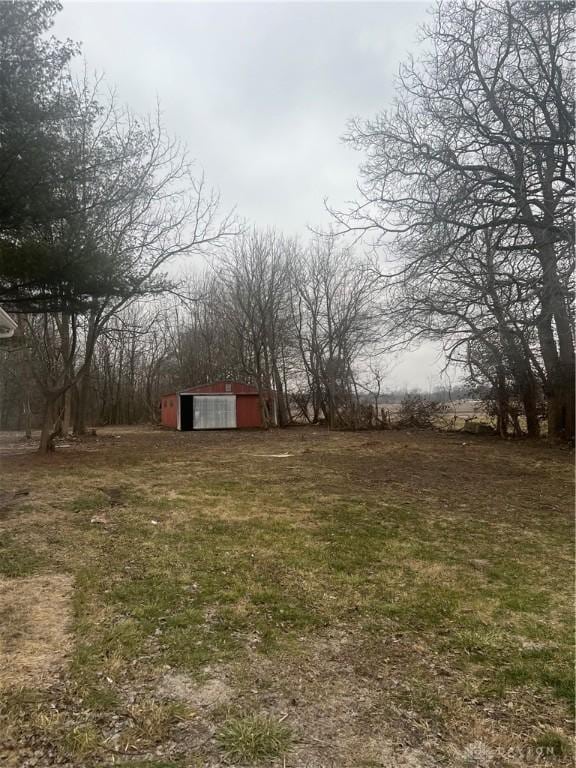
(181, 687)
(338, 717)
(34, 636)
(8, 498)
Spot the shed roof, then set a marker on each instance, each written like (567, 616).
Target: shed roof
(211, 387)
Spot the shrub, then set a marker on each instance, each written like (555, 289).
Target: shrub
(420, 413)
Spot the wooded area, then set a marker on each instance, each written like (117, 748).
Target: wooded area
(463, 233)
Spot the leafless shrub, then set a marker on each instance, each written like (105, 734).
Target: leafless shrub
(420, 413)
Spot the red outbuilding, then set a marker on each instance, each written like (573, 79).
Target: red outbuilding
(221, 405)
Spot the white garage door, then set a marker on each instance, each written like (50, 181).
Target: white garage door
(214, 411)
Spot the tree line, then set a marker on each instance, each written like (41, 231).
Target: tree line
(296, 320)
(463, 233)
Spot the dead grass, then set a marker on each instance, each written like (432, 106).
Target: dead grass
(34, 624)
(394, 599)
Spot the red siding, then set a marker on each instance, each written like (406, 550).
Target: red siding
(248, 411)
(169, 409)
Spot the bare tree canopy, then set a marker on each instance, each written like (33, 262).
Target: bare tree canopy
(468, 187)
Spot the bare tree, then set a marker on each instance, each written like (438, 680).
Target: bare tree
(481, 140)
(255, 276)
(133, 206)
(335, 319)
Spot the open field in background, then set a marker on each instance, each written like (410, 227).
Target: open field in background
(458, 412)
(296, 597)
(461, 408)
(455, 418)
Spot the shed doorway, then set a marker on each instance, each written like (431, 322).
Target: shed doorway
(214, 412)
(186, 412)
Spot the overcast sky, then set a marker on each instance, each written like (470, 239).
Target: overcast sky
(261, 94)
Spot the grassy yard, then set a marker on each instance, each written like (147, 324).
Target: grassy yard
(297, 598)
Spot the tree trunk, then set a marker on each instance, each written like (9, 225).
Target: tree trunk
(561, 414)
(67, 415)
(264, 410)
(503, 407)
(557, 349)
(79, 421)
(282, 410)
(27, 412)
(530, 404)
(49, 427)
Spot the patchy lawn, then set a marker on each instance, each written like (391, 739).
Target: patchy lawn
(297, 598)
